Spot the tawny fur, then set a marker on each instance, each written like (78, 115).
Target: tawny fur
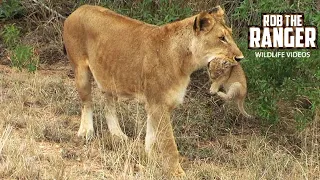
(231, 77)
(130, 58)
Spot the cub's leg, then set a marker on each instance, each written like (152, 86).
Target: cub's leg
(232, 92)
(160, 133)
(240, 102)
(83, 84)
(214, 88)
(112, 119)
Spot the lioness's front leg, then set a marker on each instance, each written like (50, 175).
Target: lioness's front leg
(160, 133)
(112, 119)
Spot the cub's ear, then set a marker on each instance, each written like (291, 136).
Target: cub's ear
(203, 23)
(224, 64)
(217, 12)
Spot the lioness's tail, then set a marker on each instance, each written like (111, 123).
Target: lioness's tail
(240, 102)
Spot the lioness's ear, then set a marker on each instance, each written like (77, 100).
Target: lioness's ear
(203, 23)
(217, 12)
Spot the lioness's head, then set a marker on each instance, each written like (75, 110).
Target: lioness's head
(213, 39)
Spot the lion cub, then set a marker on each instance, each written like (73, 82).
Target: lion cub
(230, 75)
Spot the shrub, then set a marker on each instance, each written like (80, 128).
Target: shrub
(10, 35)
(274, 80)
(158, 12)
(9, 9)
(278, 84)
(249, 12)
(154, 12)
(23, 57)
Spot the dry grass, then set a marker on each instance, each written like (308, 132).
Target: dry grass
(43, 111)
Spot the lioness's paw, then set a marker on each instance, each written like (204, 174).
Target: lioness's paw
(87, 133)
(178, 172)
(120, 136)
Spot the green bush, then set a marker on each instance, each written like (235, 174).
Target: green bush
(158, 13)
(10, 35)
(9, 9)
(150, 11)
(273, 80)
(23, 57)
(277, 82)
(249, 12)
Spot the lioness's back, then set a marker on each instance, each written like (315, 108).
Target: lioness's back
(89, 24)
(99, 16)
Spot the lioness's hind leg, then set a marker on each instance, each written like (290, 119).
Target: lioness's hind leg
(112, 119)
(83, 84)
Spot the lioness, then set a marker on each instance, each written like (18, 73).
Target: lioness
(230, 75)
(127, 57)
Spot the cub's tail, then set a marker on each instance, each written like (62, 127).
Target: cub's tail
(240, 103)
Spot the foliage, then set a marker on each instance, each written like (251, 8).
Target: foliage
(10, 35)
(249, 11)
(9, 9)
(272, 81)
(150, 11)
(158, 13)
(21, 56)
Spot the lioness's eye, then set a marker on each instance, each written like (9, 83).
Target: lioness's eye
(223, 38)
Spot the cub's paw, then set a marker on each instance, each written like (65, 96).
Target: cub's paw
(248, 116)
(224, 96)
(213, 91)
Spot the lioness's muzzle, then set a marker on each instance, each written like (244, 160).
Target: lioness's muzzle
(238, 58)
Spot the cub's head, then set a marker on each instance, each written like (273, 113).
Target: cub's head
(219, 67)
(213, 39)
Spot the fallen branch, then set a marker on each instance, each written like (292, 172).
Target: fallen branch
(49, 9)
